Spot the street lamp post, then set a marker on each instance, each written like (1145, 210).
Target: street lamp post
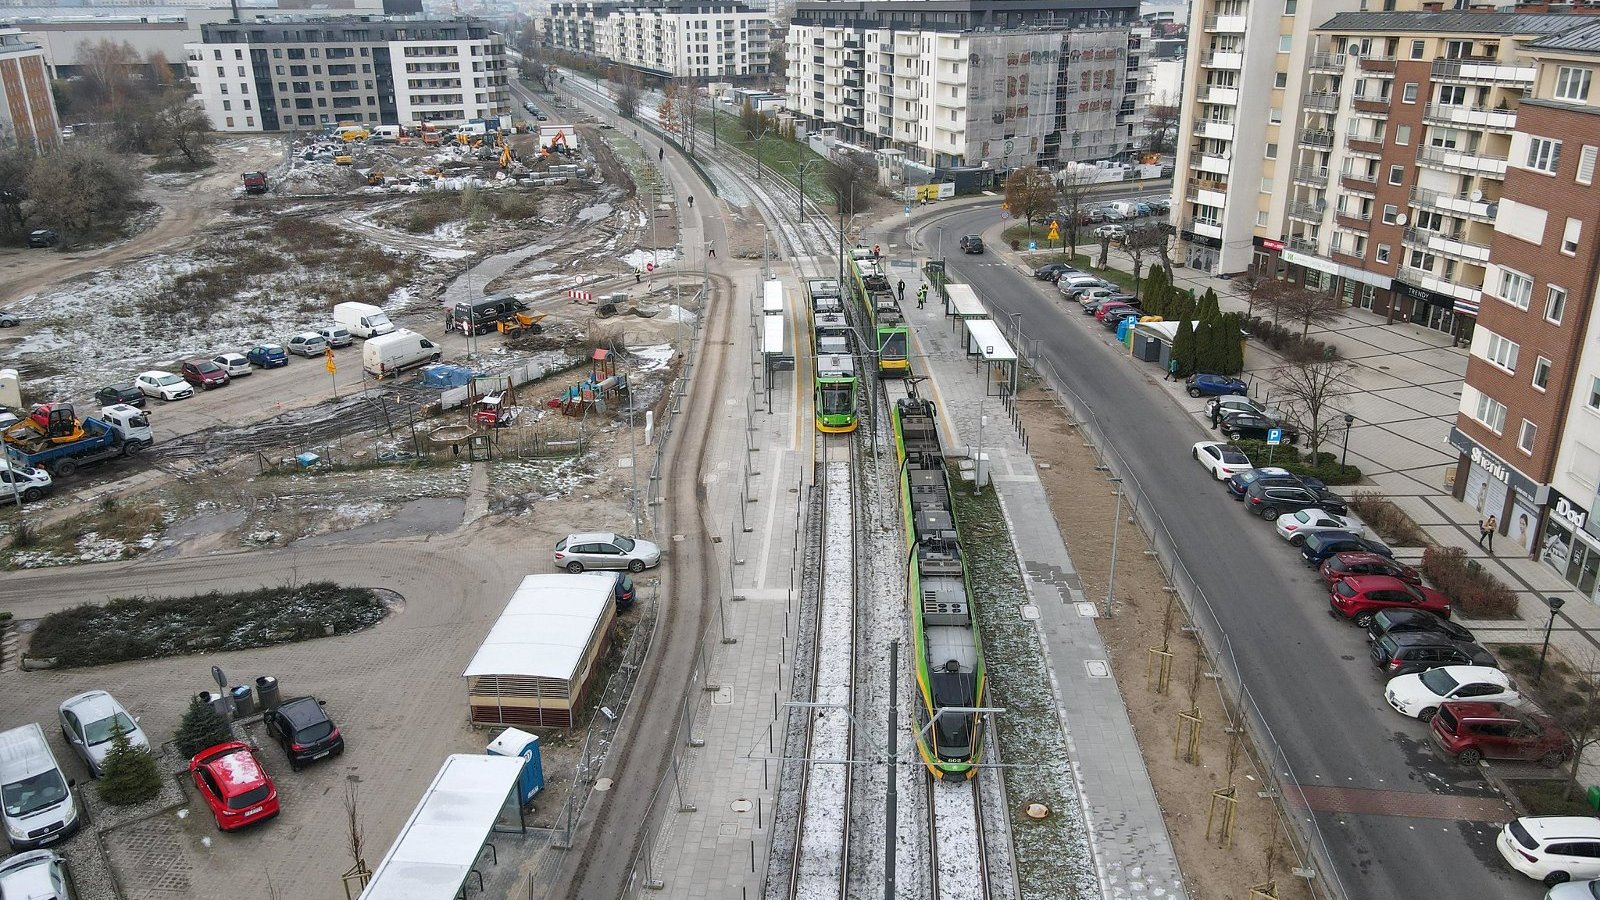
(1116, 525)
(1344, 457)
(1555, 606)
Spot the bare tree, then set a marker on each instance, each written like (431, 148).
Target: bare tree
(1579, 714)
(105, 69)
(667, 109)
(1139, 243)
(182, 127)
(1072, 198)
(849, 179)
(87, 186)
(161, 75)
(1161, 126)
(627, 91)
(1030, 194)
(1309, 307)
(16, 164)
(355, 840)
(1309, 389)
(777, 63)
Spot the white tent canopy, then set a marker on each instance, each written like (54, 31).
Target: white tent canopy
(546, 627)
(440, 843)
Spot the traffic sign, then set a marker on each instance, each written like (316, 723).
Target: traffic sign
(327, 353)
(1033, 245)
(1274, 436)
(330, 366)
(649, 267)
(908, 209)
(1055, 233)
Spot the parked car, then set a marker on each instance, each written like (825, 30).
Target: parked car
(1110, 233)
(336, 335)
(1107, 214)
(624, 593)
(971, 243)
(1241, 482)
(1091, 297)
(121, 392)
(302, 728)
(35, 875)
(1160, 206)
(1295, 526)
(88, 721)
(604, 550)
(1112, 320)
(1361, 562)
(1269, 499)
(1202, 384)
(233, 784)
(163, 385)
(1318, 548)
(1051, 271)
(1419, 696)
(1553, 849)
(1113, 306)
(1473, 730)
(1576, 890)
(235, 364)
(268, 356)
(1223, 461)
(1231, 403)
(1071, 286)
(308, 344)
(1419, 651)
(43, 237)
(203, 373)
(9, 319)
(1359, 597)
(1400, 621)
(1142, 208)
(1253, 426)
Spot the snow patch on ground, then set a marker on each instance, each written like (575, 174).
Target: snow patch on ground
(636, 259)
(594, 213)
(955, 819)
(676, 313)
(653, 358)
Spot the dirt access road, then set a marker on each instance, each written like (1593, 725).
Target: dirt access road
(187, 203)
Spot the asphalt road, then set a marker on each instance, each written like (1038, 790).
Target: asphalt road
(1310, 674)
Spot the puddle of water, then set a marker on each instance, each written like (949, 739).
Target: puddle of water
(418, 517)
(204, 525)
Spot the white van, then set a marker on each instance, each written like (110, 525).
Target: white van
(1125, 208)
(362, 319)
(39, 809)
(390, 353)
(388, 132)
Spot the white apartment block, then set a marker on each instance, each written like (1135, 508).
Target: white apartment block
(303, 73)
(713, 40)
(970, 84)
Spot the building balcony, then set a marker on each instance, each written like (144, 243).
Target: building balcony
(1306, 212)
(1469, 204)
(1210, 228)
(1348, 259)
(1316, 138)
(1370, 106)
(1222, 96)
(1433, 281)
(1206, 193)
(1320, 100)
(1358, 181)
(1357, 221)
(1470, 162)
(1379, 64)
(1222, 59)
(1205, 128)
(1205, 162)
(1225, 24)
(1326, 62)
(1470, 116)
(1356, 144)
(1483, 71)
(1448, 243)
(1303, 245)
(1312, 175)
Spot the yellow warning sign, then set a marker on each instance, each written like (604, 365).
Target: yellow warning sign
(330, 366)
(1055, 232)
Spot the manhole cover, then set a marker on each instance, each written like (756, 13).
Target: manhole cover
(728, 829)
(1086, 609)
(723, 696)
(1097, 668)
(624, 462)
(602, 784)
(1030, 612)
(676, 538)
(741, 806)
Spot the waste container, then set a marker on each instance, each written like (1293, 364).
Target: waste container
(267, 692)
(244, 701)
(219, 702)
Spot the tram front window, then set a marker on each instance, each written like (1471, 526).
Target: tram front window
(894, 345)
(836, 399)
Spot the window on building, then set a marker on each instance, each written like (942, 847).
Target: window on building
(1555, 304)
(1569, 237)
(1285, 43)
(227, 105)
(229, 120)
(1280, 80)
(1572, 83)
(1383, 253)
(1418, 48)
(1272, 151)
(1397, 174)
(1390, 213)
(1515, 288)
(1408, 94)
(1422, 260)
(1594, 394)
(1586, 157)
(1261, 218)
(1491, 412)
(250, 121)
(1541, 374)
(1526, 436)
(1289, 7)
(222, 89)
(1544, 154)
(1274, 116)
(238, 54)
(247, 104)
(1502, 352)
(1402, 135)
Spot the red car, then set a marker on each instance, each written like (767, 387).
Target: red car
(1343, 565)
(1106, 309)
(1471, 731)
(203, 373)
(234, 785)
(1359, 597)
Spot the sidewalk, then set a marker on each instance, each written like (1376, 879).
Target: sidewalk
(1127, 834)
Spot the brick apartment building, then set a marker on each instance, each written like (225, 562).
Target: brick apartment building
(27, 104)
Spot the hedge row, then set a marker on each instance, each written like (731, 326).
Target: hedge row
(1325, 467)
(1475, 592)
(1289, 342)
(1389, 520)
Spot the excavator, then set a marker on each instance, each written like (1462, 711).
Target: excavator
(48, 424)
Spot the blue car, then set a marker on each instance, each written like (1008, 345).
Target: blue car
(268, 356)
(1239, 483)
(1324, 545)
(1203, 385)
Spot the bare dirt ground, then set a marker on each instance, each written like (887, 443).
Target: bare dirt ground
(1084, 509)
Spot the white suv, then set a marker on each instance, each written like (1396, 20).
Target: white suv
(604, 550)
(1552, 849)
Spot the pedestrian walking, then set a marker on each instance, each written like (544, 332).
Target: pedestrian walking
(638, 276)
(1172, 371)
(922, 296)
(876, 253)
(1216, 415)
(711, 250)
(902, 287)
(1486, 530)
(661, 153)
(691, 201)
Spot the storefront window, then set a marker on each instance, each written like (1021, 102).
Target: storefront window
(1575, 559)
(1556, 546)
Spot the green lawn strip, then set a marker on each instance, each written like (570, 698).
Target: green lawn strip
(778, 153)
(1052, 855)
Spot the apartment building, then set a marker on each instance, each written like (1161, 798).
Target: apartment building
(294, 74)
(722, 41)
(971, 83)
(27, 104)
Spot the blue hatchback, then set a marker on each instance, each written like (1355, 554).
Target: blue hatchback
(1240, 482)
(1203, 385)
(268, 356)
(1324, 545)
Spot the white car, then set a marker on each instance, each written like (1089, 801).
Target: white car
(1221, 459)
(235, 364)
(1577, 890)
(1552, 849)
(162, 385)
(1111, 232)
(87, 722)
(1418, 696)
(37, 873)
(1293, 527)
(604, 550)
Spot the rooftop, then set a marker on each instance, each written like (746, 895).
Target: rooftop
(1454, 22)
(1584, 38)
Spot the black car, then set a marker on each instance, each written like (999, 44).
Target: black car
(121, 392)
(1113, 319)
(1418, 651)
(624, 593)
(1270, 499)
(1051, 271)
(1318, 547)
(1241, 425)
(1401, 621)
(1239, 483)
(44, 237)
(302, 727)
(971, 243)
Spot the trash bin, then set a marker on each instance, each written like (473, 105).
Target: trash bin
(267, 692)
(244, 701)
(219, 702)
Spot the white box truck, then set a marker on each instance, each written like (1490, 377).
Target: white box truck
(388, 354)
(362, 319)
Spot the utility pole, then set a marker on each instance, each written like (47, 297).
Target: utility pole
(891, 798)
(802, 170)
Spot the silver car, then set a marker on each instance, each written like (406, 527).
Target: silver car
(604, 550)
(87, 722)
(37, 875)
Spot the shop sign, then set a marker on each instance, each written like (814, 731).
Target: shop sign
(1497, 468)
(1571, 514)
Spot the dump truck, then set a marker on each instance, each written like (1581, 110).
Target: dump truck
(120, 430)
(255, 182)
